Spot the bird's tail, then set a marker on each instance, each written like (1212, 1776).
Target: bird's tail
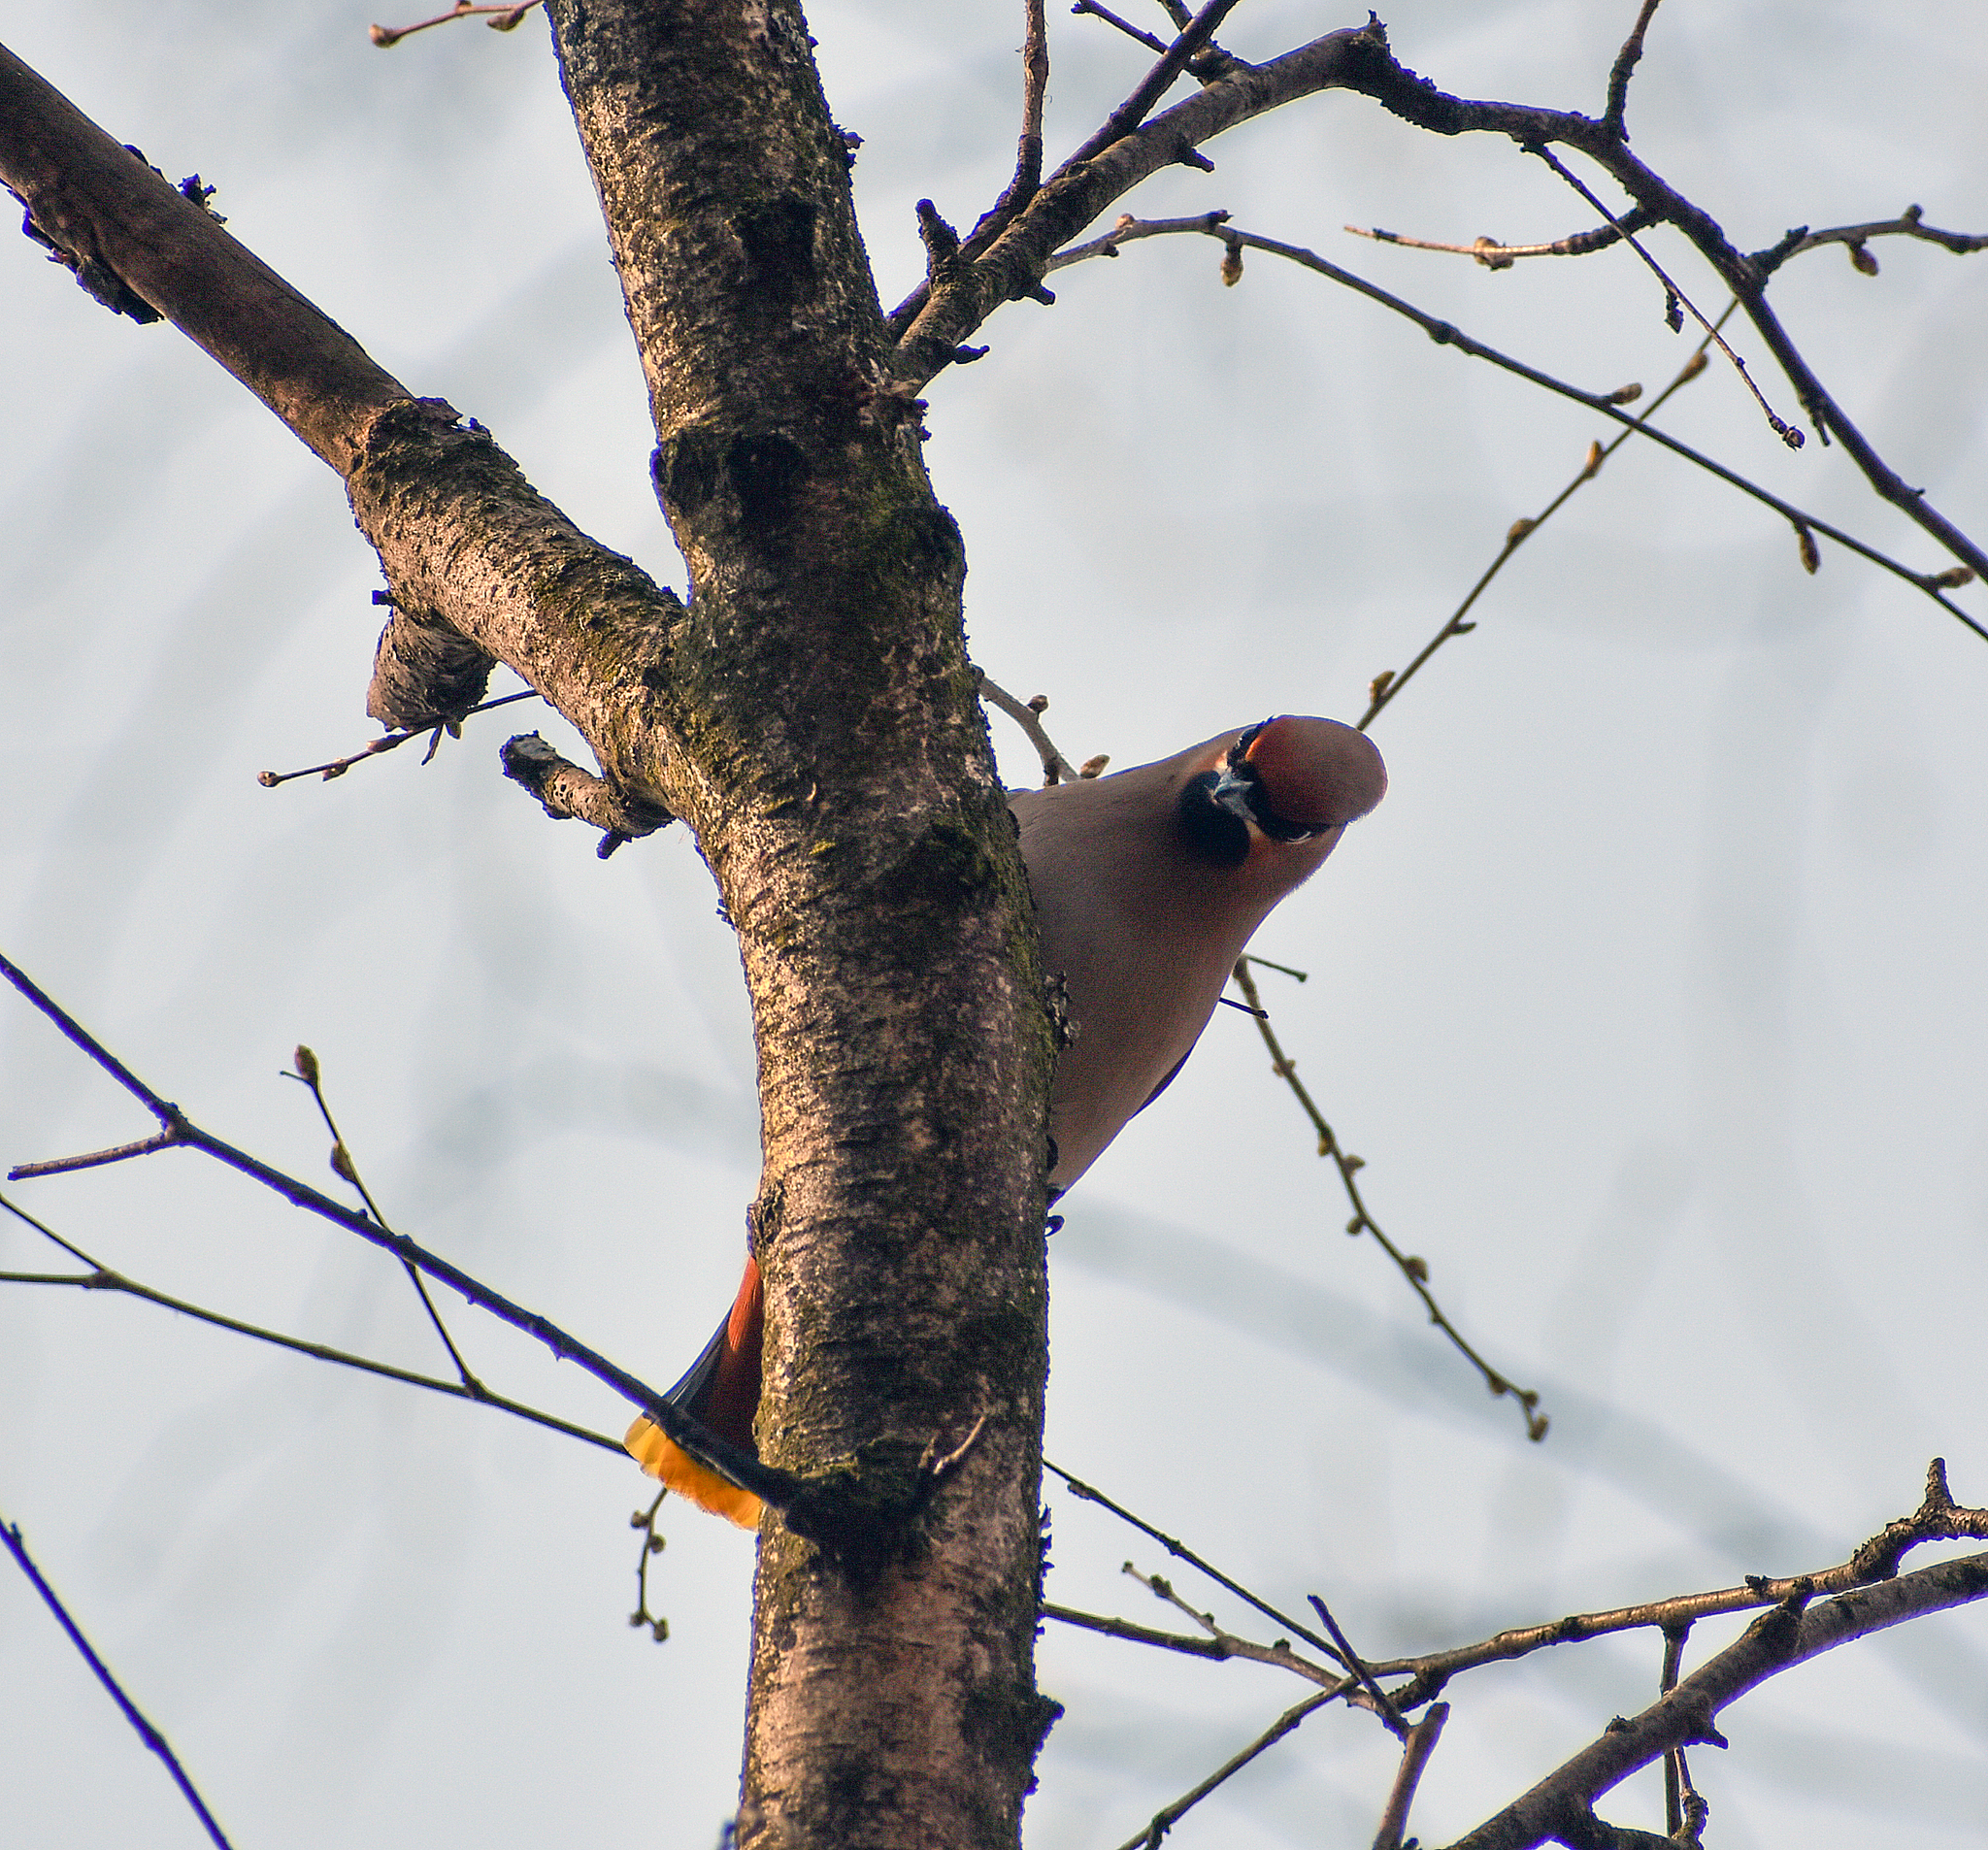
(721, 1391)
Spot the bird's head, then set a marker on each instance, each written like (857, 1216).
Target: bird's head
(1290, 779)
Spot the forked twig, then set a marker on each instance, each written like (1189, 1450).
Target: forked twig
(307, 1073)
(1674, 296)
(1028, 715)
(1181, 1552)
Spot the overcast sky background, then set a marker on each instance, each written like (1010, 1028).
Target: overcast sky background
(1653, 994)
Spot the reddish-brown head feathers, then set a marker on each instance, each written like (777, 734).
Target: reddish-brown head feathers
(1317, 772)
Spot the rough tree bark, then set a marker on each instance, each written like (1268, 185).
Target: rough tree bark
(849, 807)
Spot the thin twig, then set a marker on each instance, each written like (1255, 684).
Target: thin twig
(1219, 1645)
(1034, 67)
(10, 1533)
(1028, 715)
(1674, 295)
(1181, 1552)
(779, 1489)
(1909, 223)
(307, 1073)
(388, 742)
(1168, 1816)
(94, 1159)
(1387, 684)
(1125, 26)
(1625, 63)
(101, 1277)
(1494, 256)
(1416, 1752)
(1383, 1703)
(508, 16)
(1875, 1562)
(653, 1544)
(1677, 1776)
(1414, 1270)
(1419, 102)
(1447, 334)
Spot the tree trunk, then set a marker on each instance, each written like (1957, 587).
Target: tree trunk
(828, 744)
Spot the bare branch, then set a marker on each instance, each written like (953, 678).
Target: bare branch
(105, 1279)
(653, 1544)
(1181, 1552)
(930, 326)
(1028, 152)
(1626, 61)
(1387, 684)
(809, 1509)
(1447, 334)
(1494, 256)
(1673, 296)
(1383, 1706)
(1414, 1270)
(390, 742)
(1936, 1519)
(1125, 26)
(1909, 223)
(1790, 1634)
(307, 1071)
(1417, 101)
(1168, 1816)
(1027, 715)
(96, 1159)
(1416, 1752)
(480, 566)
(1158, 82)
(1218, 1645)
(9, 1535)
(506, 20)
(1677, 1776)
(567, 791)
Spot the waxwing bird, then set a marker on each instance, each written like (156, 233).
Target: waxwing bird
(1147, 884)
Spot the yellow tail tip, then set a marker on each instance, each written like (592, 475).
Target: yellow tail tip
(662, 1458)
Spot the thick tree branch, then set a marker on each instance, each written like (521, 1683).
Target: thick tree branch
(820, 703)
(1414, 99)
(931, 330)
(1793, 1632)
(481, 565)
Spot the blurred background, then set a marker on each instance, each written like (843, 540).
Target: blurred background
(1653, 996)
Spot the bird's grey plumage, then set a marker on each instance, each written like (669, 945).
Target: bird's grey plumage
(1143, 922)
